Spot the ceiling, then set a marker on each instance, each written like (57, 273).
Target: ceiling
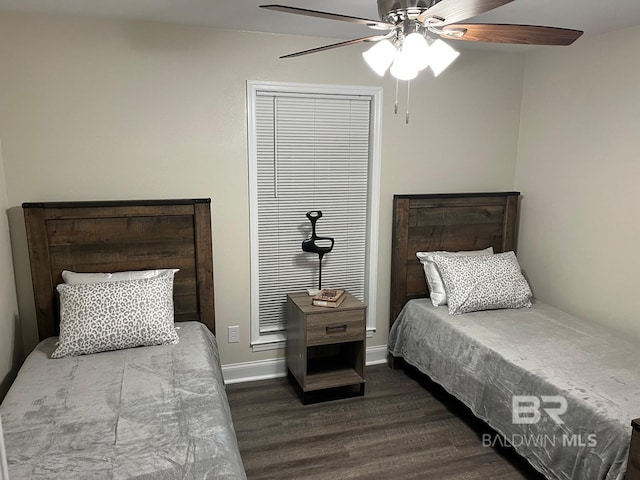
(592, 16)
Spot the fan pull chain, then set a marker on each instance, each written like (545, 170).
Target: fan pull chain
(406, 120)
(395, 107)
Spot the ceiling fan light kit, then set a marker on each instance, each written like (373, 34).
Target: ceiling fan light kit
(415, 54)
(402, 68)
(380, 56)
(416, 48)
(442, 55)
(414, 28)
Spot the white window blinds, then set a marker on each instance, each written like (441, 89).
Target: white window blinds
(312, 153)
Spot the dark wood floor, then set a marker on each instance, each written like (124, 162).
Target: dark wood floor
(405, 427)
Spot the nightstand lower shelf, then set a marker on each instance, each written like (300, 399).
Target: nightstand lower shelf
(331, 379)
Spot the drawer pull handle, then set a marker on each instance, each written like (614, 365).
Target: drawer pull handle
(336, 328)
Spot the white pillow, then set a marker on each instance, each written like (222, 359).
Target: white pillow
(73, 277)
(488, 282)
(98, 317)
(437, 291)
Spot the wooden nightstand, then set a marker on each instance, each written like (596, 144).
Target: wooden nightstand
(326, 346)
(633, 465)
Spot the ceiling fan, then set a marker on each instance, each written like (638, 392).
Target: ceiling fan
(412, 27)
(412, 32)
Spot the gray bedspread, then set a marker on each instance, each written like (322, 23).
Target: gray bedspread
(144, 413)
(486, 358)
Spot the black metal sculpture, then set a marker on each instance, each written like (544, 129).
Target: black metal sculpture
(316, 244)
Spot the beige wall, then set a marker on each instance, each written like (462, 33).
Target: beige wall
(10, 343)
(118, 110)
(578, 170)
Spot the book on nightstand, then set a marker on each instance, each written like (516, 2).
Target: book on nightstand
(329, 297)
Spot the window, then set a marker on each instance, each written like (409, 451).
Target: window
(311, 147)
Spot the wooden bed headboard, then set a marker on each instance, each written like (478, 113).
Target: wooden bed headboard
(452, 222)
(110, 236)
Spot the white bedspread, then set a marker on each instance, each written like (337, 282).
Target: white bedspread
(487, 358)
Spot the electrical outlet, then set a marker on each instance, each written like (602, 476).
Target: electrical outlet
(234, 334)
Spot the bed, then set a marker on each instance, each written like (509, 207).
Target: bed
(151, 412)
(492, 360)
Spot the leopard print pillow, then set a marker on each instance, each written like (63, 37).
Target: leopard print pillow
(483, 282)
(437, 293)
(98, 317)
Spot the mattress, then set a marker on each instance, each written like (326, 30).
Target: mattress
(513, 368)
(156, 412)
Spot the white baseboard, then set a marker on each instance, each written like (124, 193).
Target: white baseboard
(376, 355)
(277, 367)
(251, 371)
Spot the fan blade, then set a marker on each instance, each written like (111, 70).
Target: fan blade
(457, 10)
(520, 34)
(375, 38)
(331, 16)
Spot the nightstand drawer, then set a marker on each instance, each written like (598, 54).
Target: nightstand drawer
(336, 327)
